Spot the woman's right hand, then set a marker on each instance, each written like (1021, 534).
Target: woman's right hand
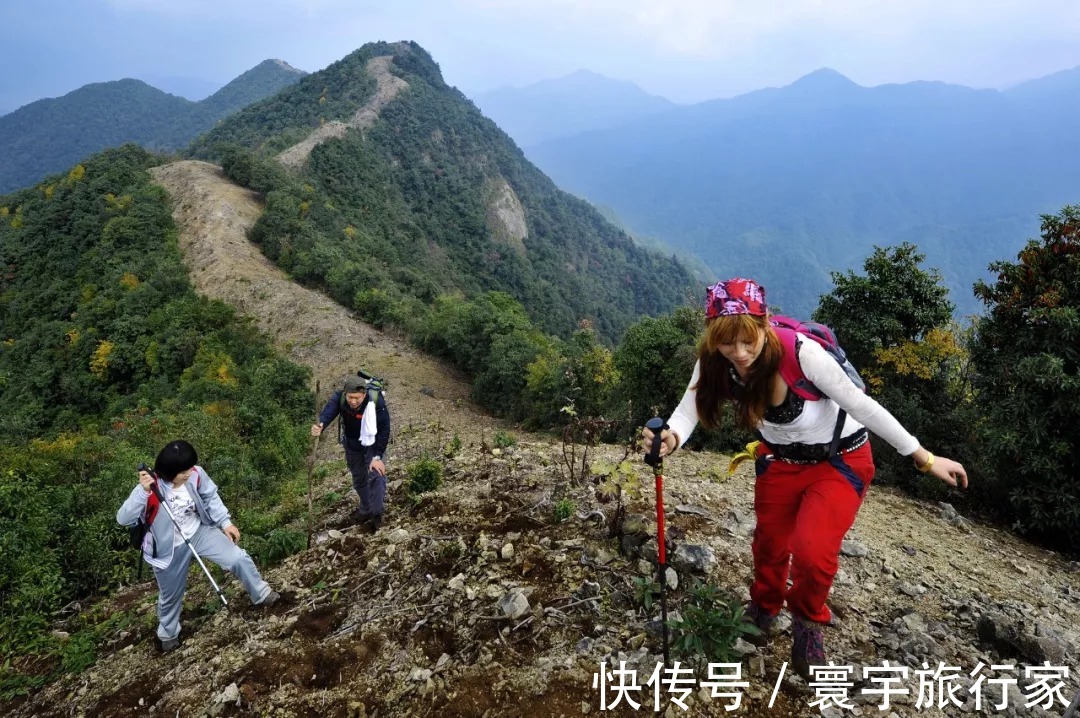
(669, 441)
(316, 429)
(145, 480)
(950, 472)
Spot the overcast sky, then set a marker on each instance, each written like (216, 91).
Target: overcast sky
(687, 51)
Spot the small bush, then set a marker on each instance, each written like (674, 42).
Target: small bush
(279, 544)
(424, 475)
(564, 509)
(709, 627)
(453, 448)
(79, 652)
(646, 590)
(503, 440)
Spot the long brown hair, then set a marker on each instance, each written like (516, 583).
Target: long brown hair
(714, 383)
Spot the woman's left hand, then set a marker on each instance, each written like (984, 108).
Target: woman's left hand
(232, 532)
(949, 471)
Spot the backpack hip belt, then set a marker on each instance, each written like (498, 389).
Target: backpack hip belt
(816, 453)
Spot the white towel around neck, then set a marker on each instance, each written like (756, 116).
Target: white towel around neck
(368, 425)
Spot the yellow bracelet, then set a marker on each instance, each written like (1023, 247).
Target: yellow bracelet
(925, 468)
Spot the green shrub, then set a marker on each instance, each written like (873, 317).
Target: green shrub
(424, 475)
(709, 627)
(279, 544)
(564, 509)
(453, 448)
(503, 440)
(1028, 384)
(79, 652)
(646, 591)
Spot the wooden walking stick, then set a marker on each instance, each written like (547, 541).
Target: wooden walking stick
(311, 469)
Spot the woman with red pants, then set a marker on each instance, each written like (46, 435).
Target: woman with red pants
(807, 493)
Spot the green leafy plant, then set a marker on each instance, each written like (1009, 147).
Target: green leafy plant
(453, 447)
(503, 440)
(618, 481)
(79, 652)
(282, 543)
(646, 591)
(710, 624)
(564, 509)
(425, 475)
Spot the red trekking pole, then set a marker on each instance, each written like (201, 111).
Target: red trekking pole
(657, 426)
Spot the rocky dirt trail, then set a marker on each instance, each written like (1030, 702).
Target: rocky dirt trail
(214, 216)
(387, 86)
(474, 601)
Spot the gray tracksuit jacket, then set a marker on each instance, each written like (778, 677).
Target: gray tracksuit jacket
(157, 546)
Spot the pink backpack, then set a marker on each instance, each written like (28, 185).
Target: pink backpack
(787, 330)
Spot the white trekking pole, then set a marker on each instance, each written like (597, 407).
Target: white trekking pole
(164, 505)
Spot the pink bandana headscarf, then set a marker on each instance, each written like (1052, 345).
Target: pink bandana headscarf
(735, 296)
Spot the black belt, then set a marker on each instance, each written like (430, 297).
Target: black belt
(799, 453)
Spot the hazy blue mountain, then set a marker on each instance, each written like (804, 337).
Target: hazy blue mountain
(1057, 85)
(789, 183)
(52, 134)
(567, 106)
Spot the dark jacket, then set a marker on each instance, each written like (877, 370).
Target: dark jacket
(350, 421)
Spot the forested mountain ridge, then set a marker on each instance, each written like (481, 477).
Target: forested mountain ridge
(788, 184)
(403, 192)
(51, 135)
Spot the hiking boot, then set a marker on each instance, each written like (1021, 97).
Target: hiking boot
(358, 516)
(165, 645)
(270, 600)
(807, 646)
(764, 623)
(376, 522)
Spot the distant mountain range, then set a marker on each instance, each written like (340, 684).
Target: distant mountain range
(567, 106)
(50, 135)
(789, 183)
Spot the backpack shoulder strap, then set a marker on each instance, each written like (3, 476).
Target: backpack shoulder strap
(152, 505)
(788, 332)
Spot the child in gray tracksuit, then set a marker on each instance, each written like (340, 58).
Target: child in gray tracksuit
(201, 518)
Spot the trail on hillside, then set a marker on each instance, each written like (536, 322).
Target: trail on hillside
(214, 216)
(387, 86)
(474, 601)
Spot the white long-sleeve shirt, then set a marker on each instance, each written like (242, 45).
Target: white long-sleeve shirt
(817, 421)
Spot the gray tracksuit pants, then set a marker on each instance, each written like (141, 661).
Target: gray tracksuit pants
(212, 545)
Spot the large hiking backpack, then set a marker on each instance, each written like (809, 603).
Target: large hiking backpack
(788, 330)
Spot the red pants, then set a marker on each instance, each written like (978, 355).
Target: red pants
(803, 512)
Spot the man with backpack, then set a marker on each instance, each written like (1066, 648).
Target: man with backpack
(789, 382)
(191, 519)
(364, 431)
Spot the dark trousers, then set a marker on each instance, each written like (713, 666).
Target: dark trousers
(370, 485)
